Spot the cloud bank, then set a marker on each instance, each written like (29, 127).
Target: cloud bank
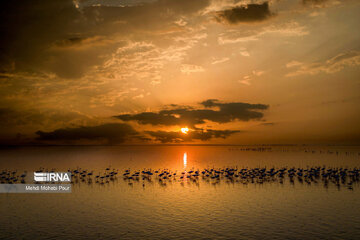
(211, 110)
(118, 133)
(112, 133)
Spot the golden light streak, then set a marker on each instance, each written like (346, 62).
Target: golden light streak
(185, 159)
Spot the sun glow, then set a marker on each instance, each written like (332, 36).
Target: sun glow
(184, 130)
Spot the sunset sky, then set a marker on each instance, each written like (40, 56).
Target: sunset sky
(137, 71)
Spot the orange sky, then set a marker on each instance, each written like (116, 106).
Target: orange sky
(120, 71)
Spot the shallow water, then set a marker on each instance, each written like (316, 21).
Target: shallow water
(182, 209)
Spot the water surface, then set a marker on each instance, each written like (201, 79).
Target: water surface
(182, 209)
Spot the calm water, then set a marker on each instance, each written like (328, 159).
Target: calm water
(181, 210)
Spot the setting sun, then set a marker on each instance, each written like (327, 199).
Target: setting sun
(185, 130)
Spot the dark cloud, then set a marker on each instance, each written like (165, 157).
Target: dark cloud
(112, 133)
(27, 28)
(49, 36)
(46, 36)
(248, 13)
(176, 137)
(214, 111)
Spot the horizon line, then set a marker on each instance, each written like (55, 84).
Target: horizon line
(176, 144)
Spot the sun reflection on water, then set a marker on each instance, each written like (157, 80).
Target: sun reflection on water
(185, 159)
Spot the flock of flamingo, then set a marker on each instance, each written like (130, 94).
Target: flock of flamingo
(336, 176)
(345, 177)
